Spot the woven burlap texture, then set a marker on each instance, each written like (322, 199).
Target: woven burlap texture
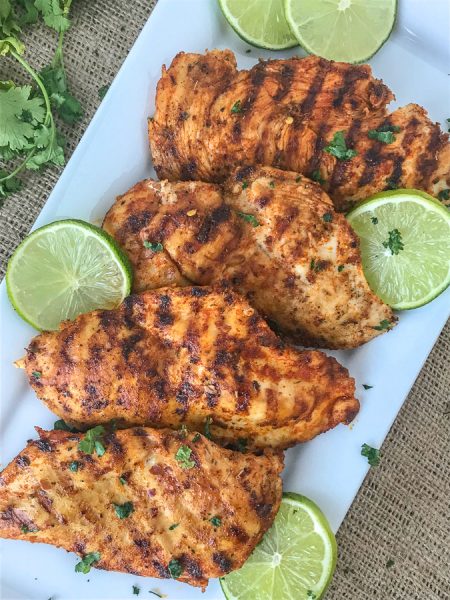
(402, 512)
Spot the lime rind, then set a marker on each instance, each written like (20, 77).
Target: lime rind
(353, 33)
(421, 271)
(44, 298)
(295, 559)
(265, 15)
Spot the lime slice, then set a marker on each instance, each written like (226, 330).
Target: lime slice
(344, 30)
(405, 246)
(65, 269)
(259, 22)
(295, 560)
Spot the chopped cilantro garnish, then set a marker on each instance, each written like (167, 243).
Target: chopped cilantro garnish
(183, 456)
(196, 437)
(175, 568)
(394, 242)
(207, 431)
(74, 466)
(374, 220)
(93, 441)
(272, 184)
(84, 566)
(298, 179)
(311, 594)
(316, 266)
(216, 521)
(390, 563)
(61, 425)
(384, 134)
(316, 176)
(123, 480)
(327, 217)
(174, 526)
(136, 590)
(340, 268)
(26, 529)
(372, 455)
(244, 185)
(444, 194)
(236, 108)
(367, 387)
(384, 324)
(249, 218)
(124, 510)
(36, 374)
(102, 91)
(338, 148)
(154, 246)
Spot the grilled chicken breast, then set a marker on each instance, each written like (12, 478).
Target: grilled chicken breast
(192, 356)
(271, 235)
(138, 506)
(210, 118)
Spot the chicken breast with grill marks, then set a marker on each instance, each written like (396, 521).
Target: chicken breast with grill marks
(193, 356)
(139, 507)
(271, 235)
(210, 118)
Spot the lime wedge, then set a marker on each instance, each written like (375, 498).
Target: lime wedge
(259, 22)
(344, 30)
(295, 560)
(405, 246)
(65, 269)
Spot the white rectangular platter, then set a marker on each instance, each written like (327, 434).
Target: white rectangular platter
(111, 157)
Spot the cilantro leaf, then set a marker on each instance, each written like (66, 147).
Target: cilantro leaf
(367, 387)
(175, 568)
(236, 108)
(84, 566)
(54, 15)
(183, 456)
(207, 430)
(384, 324)
(136, 590)
(154, 246)
(29, 12)
(384, 133)
(338, 148)
(19, 116)
(8, 186)
(124, 510)
(394, 242)
(54, 78)
(327, 217)
(74, 466)
(174, 526)
(249, 219)
(92, 441)
(372, 455)
(103, 91)
(215, 521)
(316, 176)
(61, 425)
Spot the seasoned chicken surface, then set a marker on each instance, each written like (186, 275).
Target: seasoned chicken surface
(210, 118)
(142, 509)
(271, 235)
(192, 356)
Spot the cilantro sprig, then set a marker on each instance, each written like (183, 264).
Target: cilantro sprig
(29, 137)
(93, 440)
(338, 147)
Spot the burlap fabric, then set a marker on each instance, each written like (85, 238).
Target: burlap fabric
(402, 512)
